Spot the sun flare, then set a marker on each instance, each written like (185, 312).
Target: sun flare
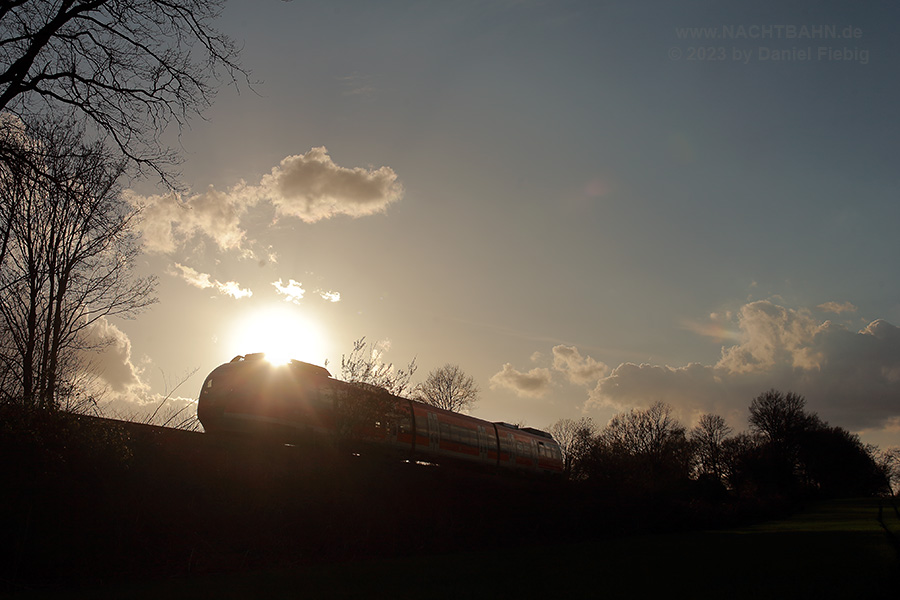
(282, 333)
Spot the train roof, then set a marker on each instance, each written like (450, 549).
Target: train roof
(306, 368)
(530, 430)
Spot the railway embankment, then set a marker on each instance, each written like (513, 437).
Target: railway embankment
(93, 504)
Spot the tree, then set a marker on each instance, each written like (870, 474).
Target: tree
(574, 439)
(69, 260)
(889, 460)
(835, 463)
(370, 401)
(364, 365)
(652, 432)
(128, 67)
(641, 451)
(708, 437)
(448, 387)
(780, 417)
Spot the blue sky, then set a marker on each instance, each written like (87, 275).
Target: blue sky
(571, 200)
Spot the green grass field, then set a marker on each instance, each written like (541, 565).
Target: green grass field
(832, 550)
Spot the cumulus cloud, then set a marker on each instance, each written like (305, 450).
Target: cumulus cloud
(773, 335)
(850, 378)
(110, 361)
(535, 382)
(107, 368)
(310, 187)
(204, 281)
(167, 221)
(579, 370)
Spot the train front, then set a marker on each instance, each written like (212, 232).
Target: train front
(251, 395)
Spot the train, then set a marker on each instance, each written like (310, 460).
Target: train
(302, 403)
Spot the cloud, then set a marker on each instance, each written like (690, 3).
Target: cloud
(358, 85)
(107, 369)
(579, 370)
(535, 382)
(836, 308)
(329, 295)
(717, 327)
(770, 335)
(168, 221)
(292, 290)
(111, 361)
(310, 187)
(851, 379)
(204, 281)
(231, 288)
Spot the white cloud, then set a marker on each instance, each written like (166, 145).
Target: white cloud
(204, 281)
(108, 370)
(292, 290)
(535, 382)
(110, 362)
(169, 221)
(773, 335)
(329, 295)
(851, 379)
(312, 187)
(233, 289)
(579, 370)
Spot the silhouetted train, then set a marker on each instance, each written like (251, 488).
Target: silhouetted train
(302, 402)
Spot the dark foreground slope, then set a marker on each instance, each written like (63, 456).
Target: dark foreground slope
(91, 500)
(108, 509)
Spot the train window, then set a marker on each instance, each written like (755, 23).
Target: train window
(405, 424)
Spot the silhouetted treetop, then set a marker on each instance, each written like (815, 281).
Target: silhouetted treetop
(449, 387)
(129, 67)
(780, 417)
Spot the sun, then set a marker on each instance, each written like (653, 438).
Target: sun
(282, 333)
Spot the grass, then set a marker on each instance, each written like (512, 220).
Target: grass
(836, 549)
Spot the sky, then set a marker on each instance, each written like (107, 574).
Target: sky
(587, 206)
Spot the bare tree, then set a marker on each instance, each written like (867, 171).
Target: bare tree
(574, 439)
(649, 432)
(68, 262)
(642, 451)
(365, 365)
(708, 437)
(128, 67)
(780, 417)
(448, 387)
(889, 459)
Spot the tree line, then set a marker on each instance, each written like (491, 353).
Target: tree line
(788, 452)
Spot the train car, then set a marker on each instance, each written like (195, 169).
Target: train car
(299, 402)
